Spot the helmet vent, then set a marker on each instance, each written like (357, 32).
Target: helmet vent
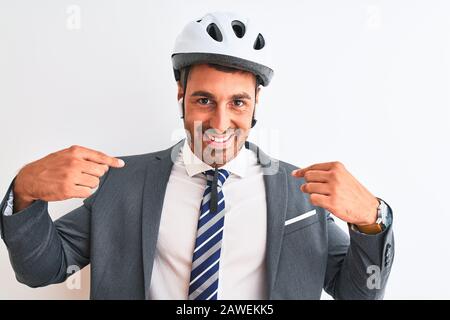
(199, 20)
(214, 32)
(238, 28)
(259, 42)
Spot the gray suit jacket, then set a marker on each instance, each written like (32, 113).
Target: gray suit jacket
(116, 231)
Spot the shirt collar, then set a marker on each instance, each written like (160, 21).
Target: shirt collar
(194, 165)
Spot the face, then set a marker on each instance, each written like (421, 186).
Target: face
(218, 112)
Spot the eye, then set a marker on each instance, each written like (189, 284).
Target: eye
(238, 103)
(203, 101)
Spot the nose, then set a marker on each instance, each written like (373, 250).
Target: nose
(220, 120)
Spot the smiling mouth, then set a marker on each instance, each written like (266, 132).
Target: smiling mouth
(219, 140)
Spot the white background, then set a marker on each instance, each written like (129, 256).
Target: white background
(363, 82)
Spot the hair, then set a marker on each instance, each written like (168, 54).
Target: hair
(218, 67)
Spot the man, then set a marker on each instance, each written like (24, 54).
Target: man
(212, 217)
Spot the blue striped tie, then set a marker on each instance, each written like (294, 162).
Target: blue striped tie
(204, 281)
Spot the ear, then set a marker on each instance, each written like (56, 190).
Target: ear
(180, 91)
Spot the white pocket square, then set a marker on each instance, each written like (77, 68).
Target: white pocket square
(301, 217)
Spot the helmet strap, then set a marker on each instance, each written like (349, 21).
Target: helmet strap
(254, 109)
(184, 84)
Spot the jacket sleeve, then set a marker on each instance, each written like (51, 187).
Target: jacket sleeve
(40, 250)
(358, 267)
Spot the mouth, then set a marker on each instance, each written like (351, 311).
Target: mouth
(219, 141)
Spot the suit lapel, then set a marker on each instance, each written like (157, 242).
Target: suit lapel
(157, 176)
(275, 182)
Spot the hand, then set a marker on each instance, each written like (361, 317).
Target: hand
(333, 188)
(65, 174)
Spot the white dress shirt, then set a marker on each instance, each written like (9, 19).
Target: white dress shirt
(242, 269)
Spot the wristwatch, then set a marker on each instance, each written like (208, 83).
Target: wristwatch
(381, 223)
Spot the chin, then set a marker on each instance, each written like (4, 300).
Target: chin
(223, 155)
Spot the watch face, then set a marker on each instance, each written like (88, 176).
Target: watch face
(383, 213)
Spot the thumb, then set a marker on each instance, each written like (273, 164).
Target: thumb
(298, 173)
(116, 162)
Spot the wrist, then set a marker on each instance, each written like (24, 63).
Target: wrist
(20, 194)
(382, 222)
(373, 216)
(20, 204)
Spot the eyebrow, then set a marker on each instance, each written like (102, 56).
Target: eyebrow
(237, 96)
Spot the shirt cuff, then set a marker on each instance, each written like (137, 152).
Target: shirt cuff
(9, 205)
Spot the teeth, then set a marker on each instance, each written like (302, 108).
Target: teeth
(219, 140)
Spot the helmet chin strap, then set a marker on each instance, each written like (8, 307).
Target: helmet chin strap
(254, 109)
(185, 78)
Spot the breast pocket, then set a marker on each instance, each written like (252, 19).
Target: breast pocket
(301, 221)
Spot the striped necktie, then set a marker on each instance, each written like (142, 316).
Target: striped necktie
(204, 281)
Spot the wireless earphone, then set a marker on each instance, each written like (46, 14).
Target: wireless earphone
(181, 106)
(253, 118)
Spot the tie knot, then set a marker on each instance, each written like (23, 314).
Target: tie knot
(222, 176)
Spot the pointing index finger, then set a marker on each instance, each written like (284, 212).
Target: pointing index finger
(325, 166)
(100, 157)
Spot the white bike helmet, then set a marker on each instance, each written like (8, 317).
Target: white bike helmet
(225, 39)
